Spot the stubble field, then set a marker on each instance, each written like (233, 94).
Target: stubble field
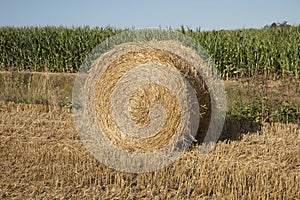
(42, 156)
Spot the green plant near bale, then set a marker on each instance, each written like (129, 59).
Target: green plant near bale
(287, 114)
(251, 112)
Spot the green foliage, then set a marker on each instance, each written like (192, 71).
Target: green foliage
(255, 112)
(237, 53)
(54, 49)
(286, 113)
(249, 52)
(251, 112)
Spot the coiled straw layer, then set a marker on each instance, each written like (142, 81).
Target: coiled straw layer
(147, 99)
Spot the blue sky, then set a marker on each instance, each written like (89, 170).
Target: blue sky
(206, 14)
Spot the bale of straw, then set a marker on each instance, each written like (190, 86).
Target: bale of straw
(109, 69)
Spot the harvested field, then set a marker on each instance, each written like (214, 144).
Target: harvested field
(43, 158)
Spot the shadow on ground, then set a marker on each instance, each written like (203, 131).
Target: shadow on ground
(234, 128)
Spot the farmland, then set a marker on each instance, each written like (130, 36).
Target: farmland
(257, 156)
(42, 157)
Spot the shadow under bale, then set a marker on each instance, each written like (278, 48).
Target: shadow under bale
(234, 128)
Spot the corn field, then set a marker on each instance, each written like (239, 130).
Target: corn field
(272, 52)
(248, 52)
(53, 49)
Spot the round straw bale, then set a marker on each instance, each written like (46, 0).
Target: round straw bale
(147, 100)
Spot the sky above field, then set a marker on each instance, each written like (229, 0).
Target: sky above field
(206, 14)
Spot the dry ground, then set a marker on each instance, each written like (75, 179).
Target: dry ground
(43, 158)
